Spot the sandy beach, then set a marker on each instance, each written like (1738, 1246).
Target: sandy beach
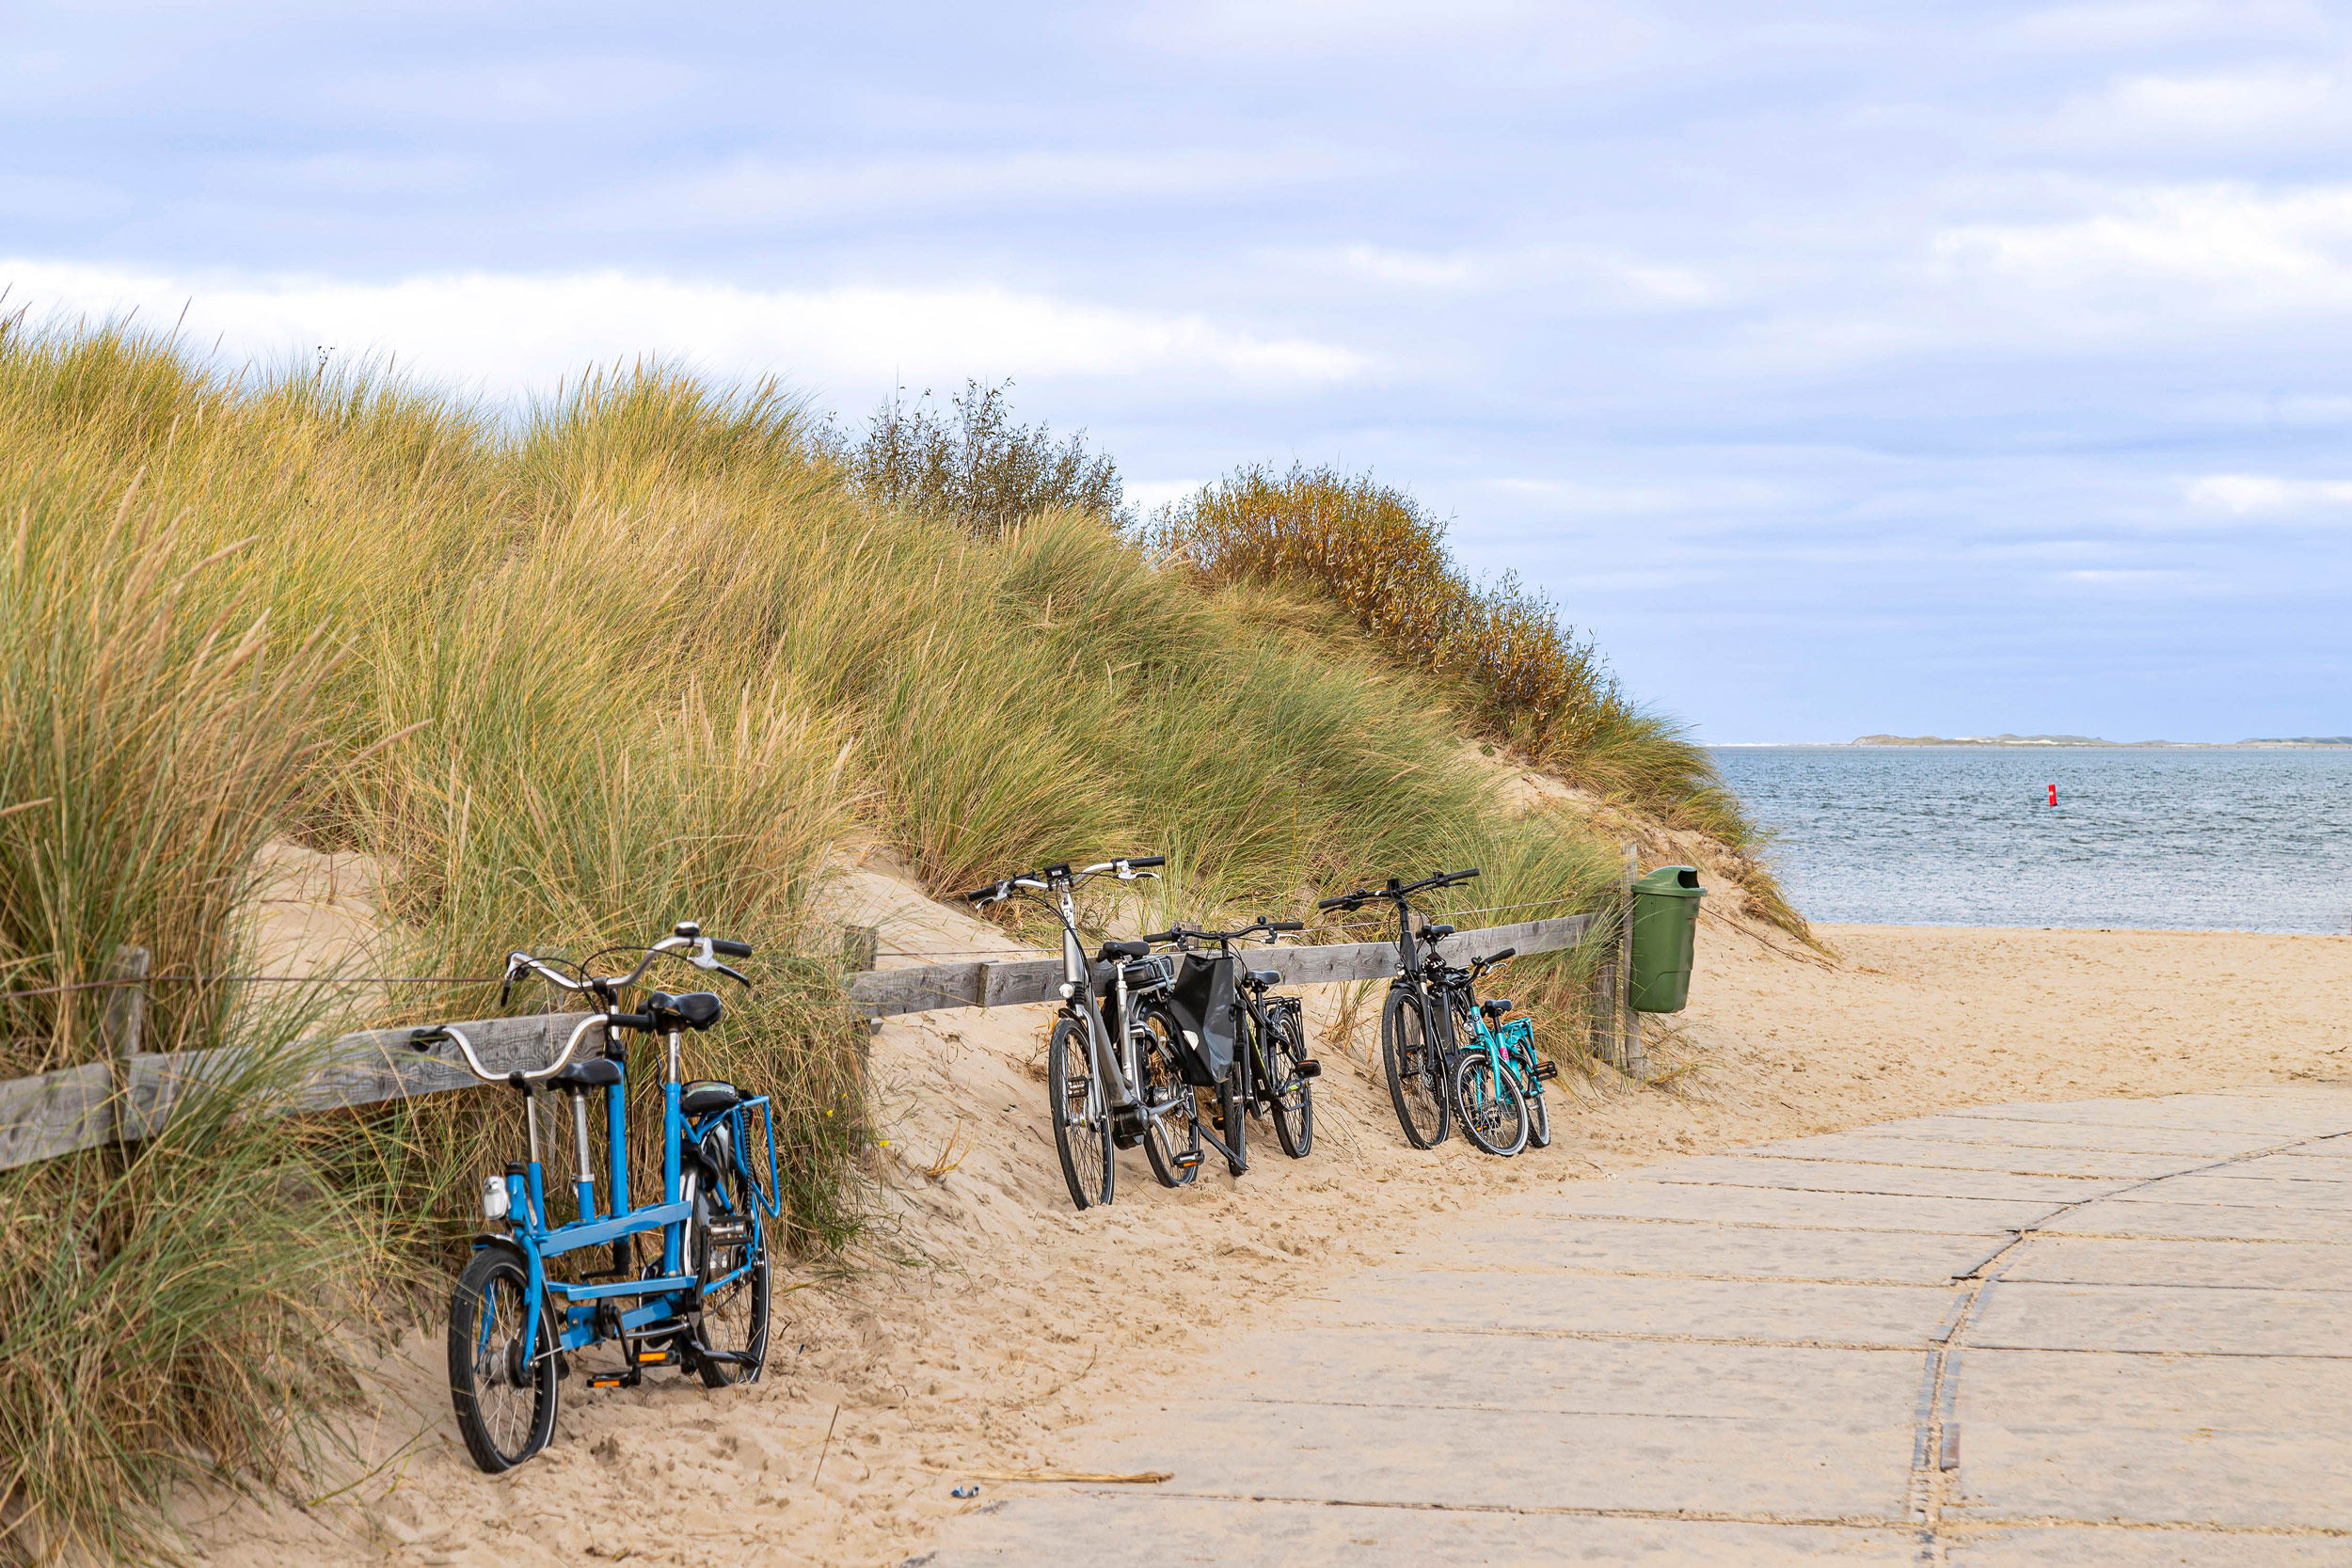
(984, 1316)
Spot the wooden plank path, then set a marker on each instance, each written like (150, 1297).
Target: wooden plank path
(2102, 1333)
(76, 1108)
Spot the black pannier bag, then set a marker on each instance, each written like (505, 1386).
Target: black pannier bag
(1202, 1002)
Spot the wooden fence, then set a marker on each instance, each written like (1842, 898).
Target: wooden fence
(133, 1093)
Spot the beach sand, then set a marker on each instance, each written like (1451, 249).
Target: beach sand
(983, 1318)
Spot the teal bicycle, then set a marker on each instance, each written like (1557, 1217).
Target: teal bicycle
(1498, 1080)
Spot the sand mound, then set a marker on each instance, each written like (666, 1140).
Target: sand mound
(982, 1316)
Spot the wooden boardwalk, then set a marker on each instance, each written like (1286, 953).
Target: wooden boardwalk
(2105, 1331)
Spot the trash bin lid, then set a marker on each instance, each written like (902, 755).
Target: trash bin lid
(1671, 881)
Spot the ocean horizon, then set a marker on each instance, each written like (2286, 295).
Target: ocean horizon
(2174, 837)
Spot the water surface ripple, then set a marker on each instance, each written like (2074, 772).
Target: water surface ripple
(2226, 840)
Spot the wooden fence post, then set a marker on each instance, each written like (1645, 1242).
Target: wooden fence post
(860, 946)
(1631, 1058)
(119, 1027)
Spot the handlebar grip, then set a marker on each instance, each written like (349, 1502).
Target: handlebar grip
(1139, 861)
(641, 1022)
(425, 1040)
(1353, 900)
(1462, 876)
(1497, 957)
(1156, 937)
(1286, 926)
(732, 949)
(982, 894)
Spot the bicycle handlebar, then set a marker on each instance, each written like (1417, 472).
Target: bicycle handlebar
(1125, 869)
(424, 1040)
(1397, 892)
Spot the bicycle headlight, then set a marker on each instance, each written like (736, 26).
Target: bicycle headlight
(494, 1198)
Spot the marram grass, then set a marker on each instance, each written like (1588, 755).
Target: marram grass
(640, 655)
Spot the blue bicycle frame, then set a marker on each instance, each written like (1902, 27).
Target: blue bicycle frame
(666, 1295)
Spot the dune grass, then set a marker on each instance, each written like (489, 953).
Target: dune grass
(1515, 672)
(646, 652)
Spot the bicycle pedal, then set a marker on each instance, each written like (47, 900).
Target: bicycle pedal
(1188, 1160)
(1546, 1072)
(657, 1359)
(1310, 1069)
(604, 1381)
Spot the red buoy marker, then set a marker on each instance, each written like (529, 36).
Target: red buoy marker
(2054, 795)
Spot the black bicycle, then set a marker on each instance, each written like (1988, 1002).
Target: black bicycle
(1417, 1045)
(1097, 1075)
(1227, 1006)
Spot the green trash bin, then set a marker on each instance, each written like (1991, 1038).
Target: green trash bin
(1665, 934)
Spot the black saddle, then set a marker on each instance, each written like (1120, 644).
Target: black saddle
(1123, 950)
(1434, 933)
(1497, 1008)
(592, 1072)
(1262, 978)
(695, 1010)
(709, 1096)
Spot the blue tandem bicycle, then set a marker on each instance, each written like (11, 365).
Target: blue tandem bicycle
(701, 1307)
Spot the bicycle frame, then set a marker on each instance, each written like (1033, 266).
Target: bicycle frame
(671, 1291)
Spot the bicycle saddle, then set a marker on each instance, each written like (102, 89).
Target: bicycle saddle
(695, 1010)
(590, 1072)
(1496, 1008)
(1265, 977)
(1123, 950)
(708, 1096)
(1432, 934)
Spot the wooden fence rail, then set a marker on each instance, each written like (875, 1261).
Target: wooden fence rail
(133, 1093)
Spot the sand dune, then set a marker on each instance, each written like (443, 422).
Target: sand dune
(984, 1316)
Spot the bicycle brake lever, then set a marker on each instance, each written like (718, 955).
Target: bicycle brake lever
(730, 973)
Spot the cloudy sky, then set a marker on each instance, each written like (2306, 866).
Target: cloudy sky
(1952, 368)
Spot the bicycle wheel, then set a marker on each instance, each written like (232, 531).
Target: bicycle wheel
(1082, 1123)
(1293, 1096)
(1487, 1098)
(505, 1398)
(735, 1314)
(1172, 1141)
(1416, 1085)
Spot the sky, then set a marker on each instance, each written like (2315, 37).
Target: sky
(1839, 369)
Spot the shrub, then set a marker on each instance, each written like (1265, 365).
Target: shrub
(1519, 673)
(977, 466)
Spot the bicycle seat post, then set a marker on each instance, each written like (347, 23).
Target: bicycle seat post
(584, 1181)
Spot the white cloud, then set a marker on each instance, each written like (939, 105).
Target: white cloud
(2111, 23)
(2227, 246)
(760, 191)
(1609, 274)
(509, 330)
(2199, 112)
(2266, 495)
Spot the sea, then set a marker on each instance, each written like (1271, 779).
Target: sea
(2173, 839)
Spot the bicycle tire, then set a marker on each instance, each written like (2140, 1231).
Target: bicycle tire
(1163, 1082)
(1230, 1095)
(505, 1401)
(736, 1321)
(1082, 1136)
(1538, 1117)
(1417, 1088)
(1488, 1101)
(1290, 1097)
